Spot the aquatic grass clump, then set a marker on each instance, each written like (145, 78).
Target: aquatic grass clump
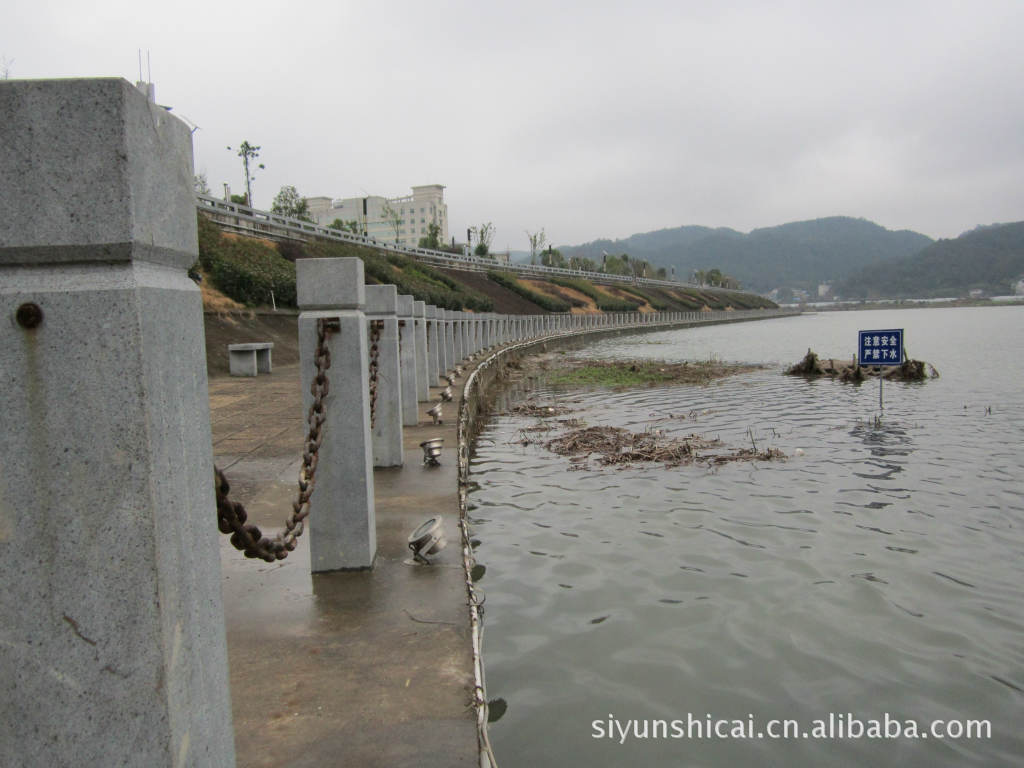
(640, 373)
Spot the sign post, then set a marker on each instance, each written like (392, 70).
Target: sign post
(880, 348)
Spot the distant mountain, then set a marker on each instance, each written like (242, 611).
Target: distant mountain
(796, 255)
(989, 258)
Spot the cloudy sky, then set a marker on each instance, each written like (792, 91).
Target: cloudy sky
(590, 119)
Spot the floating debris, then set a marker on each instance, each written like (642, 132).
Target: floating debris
(544, 411)
(615, 446)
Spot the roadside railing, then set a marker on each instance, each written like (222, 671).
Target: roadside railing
(244, 219)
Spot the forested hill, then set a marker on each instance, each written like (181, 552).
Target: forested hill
(796, 255)
(988, 258)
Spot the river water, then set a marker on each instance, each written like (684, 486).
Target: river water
(876, 571)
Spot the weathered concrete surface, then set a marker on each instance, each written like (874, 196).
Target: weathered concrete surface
(112, 648)
(93, 173)
(386, 423)
(342, 669)
(342, 531)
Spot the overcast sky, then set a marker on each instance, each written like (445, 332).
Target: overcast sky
(589, 119)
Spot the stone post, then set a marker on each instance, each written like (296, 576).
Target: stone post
(342, 530)
(447, 318)
(112, 647)
(487, 340)
(464, 322)
(467, 335)
(435, 345)
(386, 421)
(407, 361)
(419, 312)
(457, 349)
(474, 334)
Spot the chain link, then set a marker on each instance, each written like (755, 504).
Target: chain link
(232, 516)
(375, 328)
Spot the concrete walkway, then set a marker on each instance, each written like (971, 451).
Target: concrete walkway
(342, 669)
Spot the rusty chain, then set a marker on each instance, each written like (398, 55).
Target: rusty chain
(375, 328)
(231, 515)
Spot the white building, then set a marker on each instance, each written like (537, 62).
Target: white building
(412, 214)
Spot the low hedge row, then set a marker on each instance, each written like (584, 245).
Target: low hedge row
(508, 280)
(659, 305)
(603, 301)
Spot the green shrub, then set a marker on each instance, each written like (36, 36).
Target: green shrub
(248, 271)
(245, 270)
(209, 241)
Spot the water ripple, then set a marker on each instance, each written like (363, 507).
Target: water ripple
(877, 569)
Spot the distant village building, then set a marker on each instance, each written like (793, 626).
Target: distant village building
(824, 289)
(1019, 287)
(415, 213)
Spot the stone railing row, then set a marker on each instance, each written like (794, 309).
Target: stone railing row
(395, 349)
(244, 219)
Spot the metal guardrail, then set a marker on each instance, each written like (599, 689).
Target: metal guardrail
(246, 220)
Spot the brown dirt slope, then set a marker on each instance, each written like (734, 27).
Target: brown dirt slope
(581, 303)
(505, 301)
(223, 328)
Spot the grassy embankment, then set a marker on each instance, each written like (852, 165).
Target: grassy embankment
(248, 270)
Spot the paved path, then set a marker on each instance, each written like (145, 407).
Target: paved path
(342, 669)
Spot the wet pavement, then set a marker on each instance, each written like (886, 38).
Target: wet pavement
(369, 668)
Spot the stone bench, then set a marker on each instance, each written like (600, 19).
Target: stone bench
(249, 359)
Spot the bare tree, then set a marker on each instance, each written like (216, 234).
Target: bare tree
(5, 68)
(200, 184)
(537, 240)
(392, 217)
(485, 236)
(249, 152)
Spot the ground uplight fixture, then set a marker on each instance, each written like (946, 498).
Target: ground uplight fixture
(435, 413)
(427, 540)
(446, 394)
(432, 451)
